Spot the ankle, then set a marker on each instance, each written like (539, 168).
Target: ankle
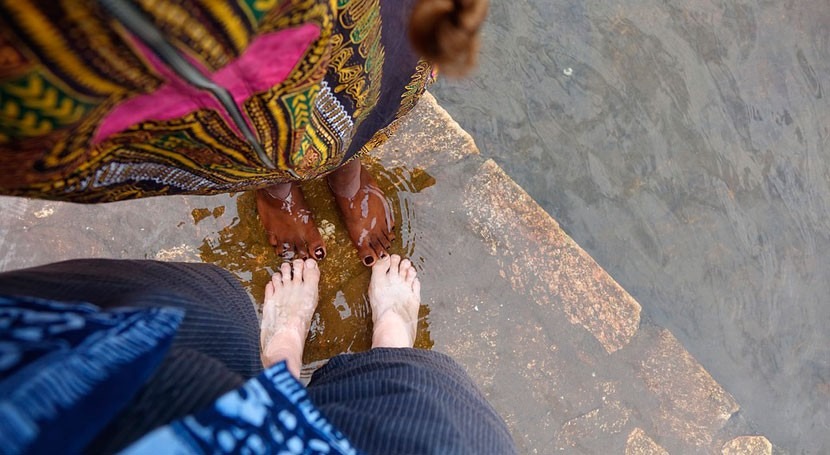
(391, 330)
(287, 345)
(345, 181)
(279, 191)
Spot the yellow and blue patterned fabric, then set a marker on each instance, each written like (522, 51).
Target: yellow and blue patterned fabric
(66, 369)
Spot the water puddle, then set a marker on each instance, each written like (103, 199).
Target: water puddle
(342, 323)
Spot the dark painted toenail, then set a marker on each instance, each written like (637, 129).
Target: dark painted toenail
(383, 255)
(368, 260)
(319, 253)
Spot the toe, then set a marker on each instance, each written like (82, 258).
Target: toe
(285, 272)
(276, 280)
(379, 249)
(390, 235)
(316, 250)
(395, 263)
(416, 289)
(302, 252)
(381, 266)
(300, 248)
(297, 245)
(269, 290)
(316, 246)
(297, 266)
(384, 242)
(279, 246)
(311, 273)
(367, 255)
(411, 275)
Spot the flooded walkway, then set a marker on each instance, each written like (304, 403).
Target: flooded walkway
(556, 344)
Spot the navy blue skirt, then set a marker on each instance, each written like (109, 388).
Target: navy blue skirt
(387, 401)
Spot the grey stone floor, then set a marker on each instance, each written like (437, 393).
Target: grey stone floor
(555, 343)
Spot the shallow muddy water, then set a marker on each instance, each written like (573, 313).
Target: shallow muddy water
(686, 146)
(225, 230)
(238, 244)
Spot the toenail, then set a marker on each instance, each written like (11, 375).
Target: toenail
(383, 255)
(319, 253)
(368, 260)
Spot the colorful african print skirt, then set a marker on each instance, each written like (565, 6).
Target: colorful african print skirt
(112, 100)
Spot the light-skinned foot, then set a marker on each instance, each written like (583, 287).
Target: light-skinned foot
(290, 299)
(289, 222)
(394, 295)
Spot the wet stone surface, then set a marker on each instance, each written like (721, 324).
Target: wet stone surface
(554, 343)
(684, 145)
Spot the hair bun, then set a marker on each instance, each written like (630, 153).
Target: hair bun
(446, 32)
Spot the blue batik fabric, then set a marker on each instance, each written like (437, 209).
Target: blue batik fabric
(66, 369)
(270, 414)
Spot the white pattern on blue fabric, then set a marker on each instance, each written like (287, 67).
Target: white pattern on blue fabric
(266, 415)
(56, 357)
(251, 409)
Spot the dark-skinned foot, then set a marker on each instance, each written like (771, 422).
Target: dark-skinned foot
(364, 210)
(289, 223)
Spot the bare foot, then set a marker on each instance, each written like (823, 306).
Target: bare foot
(290, 300)
(395, 295)
(289, 222)
(365, 211)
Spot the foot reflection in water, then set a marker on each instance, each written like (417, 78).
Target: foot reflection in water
(342, 322)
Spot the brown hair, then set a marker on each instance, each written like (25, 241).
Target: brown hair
(446, 32)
